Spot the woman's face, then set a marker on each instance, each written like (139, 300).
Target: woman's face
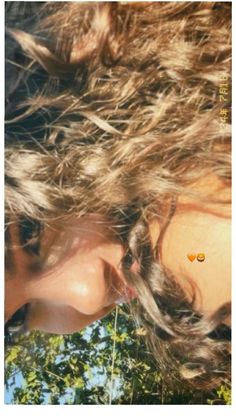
(79, 279)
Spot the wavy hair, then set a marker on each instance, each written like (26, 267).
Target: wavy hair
(114, 108)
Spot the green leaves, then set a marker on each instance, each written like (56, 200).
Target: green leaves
(77, 369)
(12, 355)
(223, 396)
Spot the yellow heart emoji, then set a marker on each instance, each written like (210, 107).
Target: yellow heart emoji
(191, 257)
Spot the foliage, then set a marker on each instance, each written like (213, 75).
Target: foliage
(224, 396)
(78, 369)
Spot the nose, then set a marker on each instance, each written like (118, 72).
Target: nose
(86, 281)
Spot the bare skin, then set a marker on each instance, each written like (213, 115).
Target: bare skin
(200, 228)
(77, 284)
(83, 284)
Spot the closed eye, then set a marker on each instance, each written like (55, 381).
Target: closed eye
(29, 235)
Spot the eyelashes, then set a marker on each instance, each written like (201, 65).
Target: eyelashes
(29, 235)
(16, 324)
(29, 231)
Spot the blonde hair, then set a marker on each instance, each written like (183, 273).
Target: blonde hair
(116, 110)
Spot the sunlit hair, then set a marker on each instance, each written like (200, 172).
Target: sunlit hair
(114, 108)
